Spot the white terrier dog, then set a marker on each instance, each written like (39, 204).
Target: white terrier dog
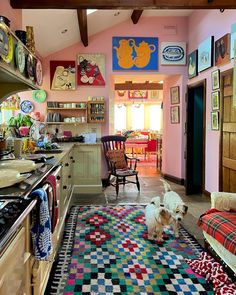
(175, 204)
(156, 217)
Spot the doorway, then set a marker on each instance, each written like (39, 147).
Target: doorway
(195, 135)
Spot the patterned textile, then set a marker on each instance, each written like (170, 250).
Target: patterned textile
(221, 226)
(117, 156)
(105, 250)
(41, 229)
(206, 266)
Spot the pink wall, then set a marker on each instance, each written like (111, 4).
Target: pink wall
(14, 15)
(203, 24)
(102, 43)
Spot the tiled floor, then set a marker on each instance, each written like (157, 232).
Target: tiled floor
(151, 186)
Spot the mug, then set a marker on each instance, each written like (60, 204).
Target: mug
(17, 147)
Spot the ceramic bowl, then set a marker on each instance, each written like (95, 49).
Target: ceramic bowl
(5, 20)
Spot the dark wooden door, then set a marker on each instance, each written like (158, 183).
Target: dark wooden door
(195, 135)
(228, 136)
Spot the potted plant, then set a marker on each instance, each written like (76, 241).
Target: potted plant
(21, 124)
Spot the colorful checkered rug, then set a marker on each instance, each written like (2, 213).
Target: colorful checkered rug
(105, 251)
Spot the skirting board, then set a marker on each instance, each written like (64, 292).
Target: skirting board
(173, 179)
(87, 189)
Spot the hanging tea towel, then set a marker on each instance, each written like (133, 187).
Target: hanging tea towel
(41, 229)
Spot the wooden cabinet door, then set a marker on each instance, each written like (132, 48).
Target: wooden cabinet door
(228, 136)
(12, 268)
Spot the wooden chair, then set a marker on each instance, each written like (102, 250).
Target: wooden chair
(118, 163)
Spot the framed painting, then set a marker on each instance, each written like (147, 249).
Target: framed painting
(134, 53)
(232, 39)
(214, 120)
(174, 115)
(215, 79)
(193, 64)
(222, 50)
(62, 75)
(91, 69)
(154, 94)
(205, 54)
(138, 94)
(174, 95)
(173, 53)
(215, 100)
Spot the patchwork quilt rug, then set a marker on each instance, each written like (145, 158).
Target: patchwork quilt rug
(105, 250)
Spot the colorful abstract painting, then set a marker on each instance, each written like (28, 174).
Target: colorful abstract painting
(62, 74)
(91, 69)
(134, 53)
(173, 53)
(205, 54)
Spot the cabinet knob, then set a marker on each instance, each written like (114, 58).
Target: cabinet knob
(67, 164)
(69, 176)
(58, 177)
(73, 161)
(64, 186)
(71, 158)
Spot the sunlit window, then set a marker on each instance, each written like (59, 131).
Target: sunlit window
(120, 117)
(155, 117)
(5, 115)
(137, 114)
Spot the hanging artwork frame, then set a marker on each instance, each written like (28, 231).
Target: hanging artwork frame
(134, 53)
(193, 64)
(215, 100)
(174, 95)
(62, 75)
(137, 94)
(174, 115)
(205, 54)
(91, 69)
(215, 79)
(173, 53)
(222, 50)
(215, 120)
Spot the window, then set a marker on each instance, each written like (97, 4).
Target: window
(5, 115)
(137, 113)
(155, 117)
(120, 117)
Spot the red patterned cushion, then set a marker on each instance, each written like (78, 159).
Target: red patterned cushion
(117, 156)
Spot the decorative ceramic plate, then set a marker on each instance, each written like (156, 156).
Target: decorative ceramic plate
(26, 106)
(39, 73)
(30, 66)
(6, 43)
(39, 95)
(20, 57)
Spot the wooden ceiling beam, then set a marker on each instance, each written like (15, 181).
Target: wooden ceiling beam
(136, 14)
(83, 28)
(123, 4)
(138, 86)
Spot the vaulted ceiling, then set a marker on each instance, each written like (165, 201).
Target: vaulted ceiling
(61, 23)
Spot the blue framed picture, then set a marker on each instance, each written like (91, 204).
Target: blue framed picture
(134, 53)
(205, 54)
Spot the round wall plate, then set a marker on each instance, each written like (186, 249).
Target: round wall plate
(6, 44)
(26, 106)
(39, 95)
(39, 73)
(20, 57)
(30, 66)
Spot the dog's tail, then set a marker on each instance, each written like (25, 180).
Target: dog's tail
(166, 185)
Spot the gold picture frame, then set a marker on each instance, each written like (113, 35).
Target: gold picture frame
(174, 115)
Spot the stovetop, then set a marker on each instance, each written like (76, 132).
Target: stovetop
(10, 211)
(23, 188)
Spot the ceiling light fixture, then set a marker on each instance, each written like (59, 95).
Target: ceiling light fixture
(116, 13)
(64, 31)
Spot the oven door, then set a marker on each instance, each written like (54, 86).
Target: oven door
(52, 185)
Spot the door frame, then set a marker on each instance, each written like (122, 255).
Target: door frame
(190, 87)
(222, 75)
